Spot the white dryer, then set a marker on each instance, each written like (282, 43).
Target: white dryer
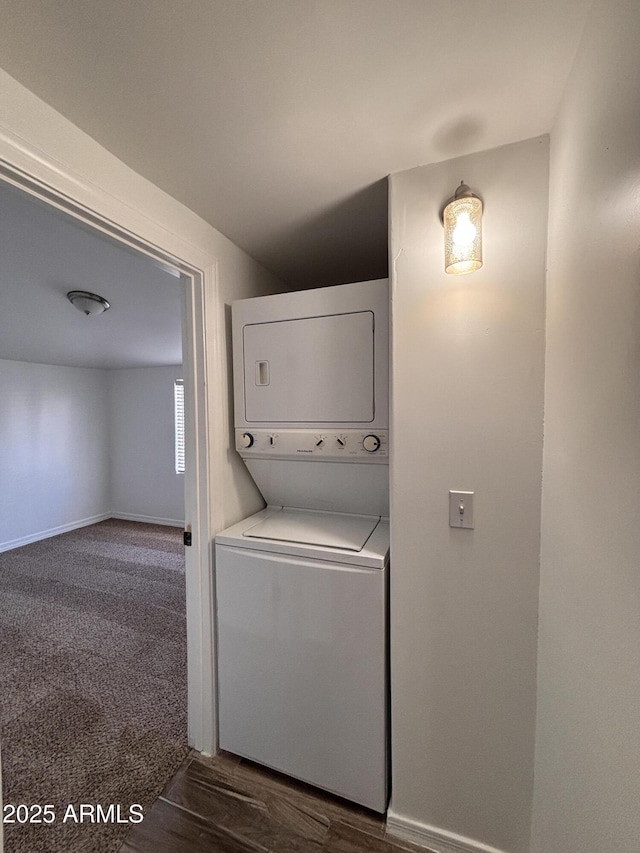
(302, 586)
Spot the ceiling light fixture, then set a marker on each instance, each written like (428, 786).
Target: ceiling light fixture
(88, 303)
(462, 220)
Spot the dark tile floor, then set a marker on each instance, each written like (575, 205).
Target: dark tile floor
(229, 805)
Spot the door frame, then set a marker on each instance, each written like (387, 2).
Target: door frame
(44, 177)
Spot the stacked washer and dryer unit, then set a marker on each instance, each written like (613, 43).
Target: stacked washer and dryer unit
(302, 586)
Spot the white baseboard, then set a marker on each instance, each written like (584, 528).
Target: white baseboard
(53, 531)
(438, 840)
(148, 519)
(85, 522)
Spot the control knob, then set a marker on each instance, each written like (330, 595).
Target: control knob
(246, 439)
(371, 443)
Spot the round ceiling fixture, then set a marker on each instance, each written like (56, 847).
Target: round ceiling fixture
(88, 303)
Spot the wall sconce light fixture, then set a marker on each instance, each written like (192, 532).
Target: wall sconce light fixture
(462, 220)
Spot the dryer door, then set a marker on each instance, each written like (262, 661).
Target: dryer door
(310, 370)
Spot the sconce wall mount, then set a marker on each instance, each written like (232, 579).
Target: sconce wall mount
(461, 217)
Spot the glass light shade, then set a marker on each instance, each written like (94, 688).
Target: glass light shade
(462, 219)
(88, 303)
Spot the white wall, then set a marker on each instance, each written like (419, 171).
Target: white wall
(79, 445)
(53, 450)
(467, 414)
(143, 483)
(587, 793)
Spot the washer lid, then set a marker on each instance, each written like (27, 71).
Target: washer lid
(310, 527)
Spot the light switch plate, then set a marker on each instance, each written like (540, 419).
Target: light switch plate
(461, 509)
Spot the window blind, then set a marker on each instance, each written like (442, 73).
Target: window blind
(178, 412)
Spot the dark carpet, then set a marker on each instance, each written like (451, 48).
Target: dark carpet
(93, 682)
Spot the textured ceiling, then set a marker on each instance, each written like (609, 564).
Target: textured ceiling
(278, 120)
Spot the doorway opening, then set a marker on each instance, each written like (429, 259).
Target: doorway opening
(86, 421)
(44, 182)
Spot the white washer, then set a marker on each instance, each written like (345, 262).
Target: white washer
(302, 635)
(301, 587)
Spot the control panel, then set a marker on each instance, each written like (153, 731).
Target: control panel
(331, 445)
